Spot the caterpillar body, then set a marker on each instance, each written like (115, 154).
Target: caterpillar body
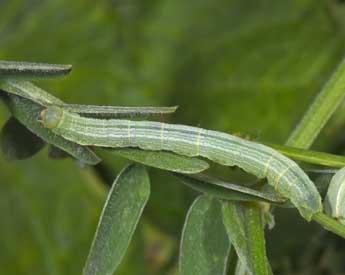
(287, 178)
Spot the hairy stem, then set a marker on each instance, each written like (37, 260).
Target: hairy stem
(256, 239)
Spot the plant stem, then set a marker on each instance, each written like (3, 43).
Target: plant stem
(311, 124)
(330, 224)
(310, 156)
(256, 239)
(320, 111)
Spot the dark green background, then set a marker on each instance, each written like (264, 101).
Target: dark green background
(249, 67)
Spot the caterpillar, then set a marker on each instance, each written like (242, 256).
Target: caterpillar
(335, 197)
(287, 178)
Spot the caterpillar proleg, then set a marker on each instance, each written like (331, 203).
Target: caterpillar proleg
(285, 175)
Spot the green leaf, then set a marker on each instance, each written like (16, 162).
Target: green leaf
(163, 160)
(57, 153)
(32, 71)
(121, 213)
(133, 261)
(117, 111)
(227, 191)
(29, 91)
(244, 225)
(17, 142)
(28, 112)
(204, 246)
(310, 156)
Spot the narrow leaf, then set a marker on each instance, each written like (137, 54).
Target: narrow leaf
(31, 71)
(17, 142)
(28, 113)
(29, 91)
(121, 213)
(163, 160)
(244, 225)
(116, 111)
(57, 153)
(204, 244)
(227, 191)
(310, 156)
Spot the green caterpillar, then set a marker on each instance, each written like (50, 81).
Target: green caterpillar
(287, 178)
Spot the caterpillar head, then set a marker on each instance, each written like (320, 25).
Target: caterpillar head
(51, 116)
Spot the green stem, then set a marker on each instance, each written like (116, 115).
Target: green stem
(310, 156)
(320, 111)
(311, 124)
(256, 239)
(330, 224)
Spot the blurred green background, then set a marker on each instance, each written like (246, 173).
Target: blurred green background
(249, 67)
